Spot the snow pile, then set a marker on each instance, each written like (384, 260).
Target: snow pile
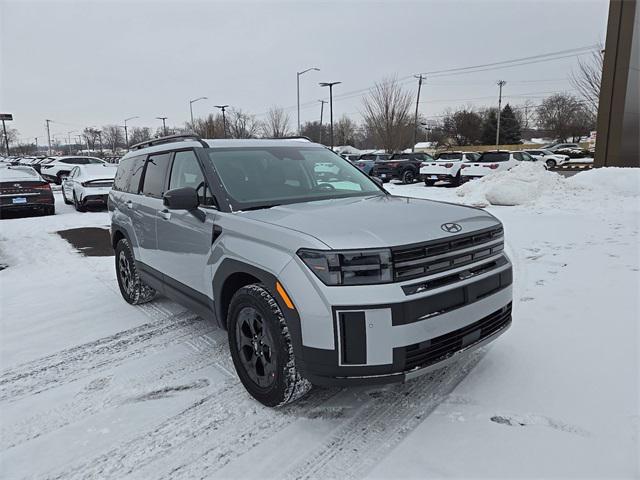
(620, 181)
(523, 184)
(530, 183)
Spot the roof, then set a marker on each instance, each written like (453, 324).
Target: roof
(191, 142)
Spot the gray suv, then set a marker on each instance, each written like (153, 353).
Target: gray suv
(317, 273)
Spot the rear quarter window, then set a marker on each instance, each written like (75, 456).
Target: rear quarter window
(128, 176)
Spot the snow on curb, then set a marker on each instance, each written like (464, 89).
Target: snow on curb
(530, 183)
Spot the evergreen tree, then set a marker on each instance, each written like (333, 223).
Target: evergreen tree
(509, 127)
(489, 127)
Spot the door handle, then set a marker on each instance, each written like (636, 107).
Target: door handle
(129, 204)
(165, 214)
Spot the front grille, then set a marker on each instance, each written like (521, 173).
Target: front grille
(432, 351)
(434, 257)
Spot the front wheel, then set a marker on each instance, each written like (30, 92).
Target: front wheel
(261, 348)
(551, 163)
(133, 290)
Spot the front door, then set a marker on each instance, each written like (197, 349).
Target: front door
(185, 238)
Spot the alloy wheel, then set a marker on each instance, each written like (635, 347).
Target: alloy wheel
(124, 269)
(255, 347)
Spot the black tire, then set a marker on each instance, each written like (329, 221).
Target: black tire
(261, 348)
(133, 290)
(49, 210)
(77, 205)
(551, 163)
(408, 176)
(429, 183)
(66, 200)
(456, 180)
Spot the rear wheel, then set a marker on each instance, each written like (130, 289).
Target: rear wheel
(133, 290)
(49, 210)
(408, 176)
(77, 205)
(61, 177)
(64, 197)
(261, 348)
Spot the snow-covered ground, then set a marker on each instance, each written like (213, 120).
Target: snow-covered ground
(91, 387)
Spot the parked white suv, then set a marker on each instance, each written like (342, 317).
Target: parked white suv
(88, 185)
(60, 167)
(549, 158)
(446, 167)
(492, 161)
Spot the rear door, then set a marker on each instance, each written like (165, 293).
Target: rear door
(185, 238)
(148, 206)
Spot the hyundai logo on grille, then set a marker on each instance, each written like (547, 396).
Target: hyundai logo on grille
(451, 227)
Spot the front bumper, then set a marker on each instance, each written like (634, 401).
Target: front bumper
(343, 342)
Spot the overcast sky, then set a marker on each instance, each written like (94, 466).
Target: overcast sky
(95, 63)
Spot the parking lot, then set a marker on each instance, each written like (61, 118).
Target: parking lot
(95, 387)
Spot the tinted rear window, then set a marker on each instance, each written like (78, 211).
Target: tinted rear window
(129, 172)
(449, 156)
(491, 157)
(155, 174)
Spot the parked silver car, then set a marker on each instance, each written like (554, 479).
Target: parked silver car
(318, 279)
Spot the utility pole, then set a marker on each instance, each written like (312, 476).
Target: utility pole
(49, 135)
(126, 134)
(6, 117)
(330, 85)
(415, 119)
(99, 132)
(224, 119)
(298, 84)
(164, 125)
(501, 84)
(322, 102)
(36, 138)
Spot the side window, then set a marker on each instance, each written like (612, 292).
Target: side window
(155, 174)
(186, 172)
(74, 172)
(518, 156)
(528, 158)
(129, 174)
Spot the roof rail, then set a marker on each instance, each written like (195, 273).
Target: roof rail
(169, 139)
(292, 137)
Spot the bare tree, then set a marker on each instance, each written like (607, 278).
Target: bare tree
(139, 134)
(276, 125)
(91, 136)
(565, 116)
(209, 127)
(113, 136)
(345, 131)
(241, 124)
(387, 114)
(12, 137)
(526, 114)
(586, 80)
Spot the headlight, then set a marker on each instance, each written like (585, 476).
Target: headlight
(349, 267)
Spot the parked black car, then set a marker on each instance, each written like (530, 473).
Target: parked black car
(23, 189)
(401, 166)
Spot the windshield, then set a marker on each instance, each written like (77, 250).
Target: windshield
(257, 177)
(449, 156)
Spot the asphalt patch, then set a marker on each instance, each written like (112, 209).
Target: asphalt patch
(89, 241)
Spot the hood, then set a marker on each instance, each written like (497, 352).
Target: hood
(370, 222)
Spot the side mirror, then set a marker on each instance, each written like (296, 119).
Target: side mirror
(185, 198)
(377, 181)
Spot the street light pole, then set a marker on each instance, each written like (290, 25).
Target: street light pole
(415, 120)
(164, 125)
(224, 120)
(49, 135)
(298, 90)
(501, 84)
(191, 102)
(330, 85)
(126, 134)
(69, 139)
(322, 102)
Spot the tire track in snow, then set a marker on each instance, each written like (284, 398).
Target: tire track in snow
(224, 424)
(206, 350)
(355, 447)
